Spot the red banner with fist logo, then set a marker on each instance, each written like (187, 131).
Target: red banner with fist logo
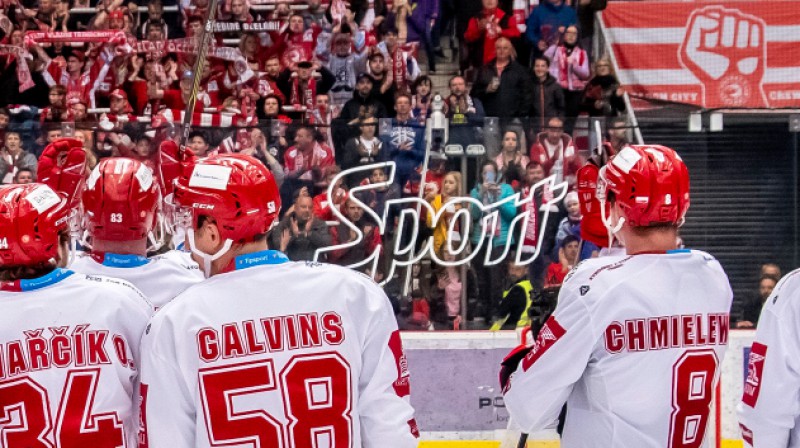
(731, 54)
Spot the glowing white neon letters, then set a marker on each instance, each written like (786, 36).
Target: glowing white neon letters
(412, 210)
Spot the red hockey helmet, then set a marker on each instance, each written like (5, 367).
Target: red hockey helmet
(121, 201)
(238, 191)
(31, 218)
(650, 183)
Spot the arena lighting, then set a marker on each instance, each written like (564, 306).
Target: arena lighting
(794, 123)
(696, 121)
(715, 122)
(409, 216)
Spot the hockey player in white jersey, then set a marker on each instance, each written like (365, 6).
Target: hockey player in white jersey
(268, 352)
(69, 343)
(769, 413)
(635, 343)
(121, 212)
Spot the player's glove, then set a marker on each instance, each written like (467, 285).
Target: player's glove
(510, 363)
(172, 160)
(62, 167)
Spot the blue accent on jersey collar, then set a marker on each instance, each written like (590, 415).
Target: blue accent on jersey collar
(679, 251)
(260, 258)
(52, 278)
(124, 260)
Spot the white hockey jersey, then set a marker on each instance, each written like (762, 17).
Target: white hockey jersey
(276, 354)
(634, 348)
(69, 361)
(160, 278)
(769, 413)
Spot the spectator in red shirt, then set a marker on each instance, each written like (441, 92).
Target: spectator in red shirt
(567, 259)
(307, 155)
(484, 29)
(553, 149)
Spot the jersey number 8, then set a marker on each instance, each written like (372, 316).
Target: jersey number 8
(692, 390)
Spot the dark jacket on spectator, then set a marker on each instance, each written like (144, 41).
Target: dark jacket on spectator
(351, 109)
(512, 98)
(600, 97)
(302, 246)
(548, 101)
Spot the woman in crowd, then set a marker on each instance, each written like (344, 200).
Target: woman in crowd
(603, 95)
(570, 66)
(511, 161)
(489, 235)
(421, 100)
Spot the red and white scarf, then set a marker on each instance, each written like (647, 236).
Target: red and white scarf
(23, 72)
(303, 97)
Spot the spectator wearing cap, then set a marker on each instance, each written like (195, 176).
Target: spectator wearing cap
(302, 87)
(363, 103)
(383, 87)
(13, 157)
(344, 64)
(484, 29)
(120, 110)
(571, 225)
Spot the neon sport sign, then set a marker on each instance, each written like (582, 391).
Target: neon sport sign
(412, 209)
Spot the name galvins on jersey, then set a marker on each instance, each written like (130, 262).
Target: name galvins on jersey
(69, 360)
(160, 278)
(286, 354)
(769, 413)
(634, 348)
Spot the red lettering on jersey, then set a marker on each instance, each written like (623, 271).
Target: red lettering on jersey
(97, 347)
(615, 337)
(143, 414)
(675, 327)
(725, 324)
(121, 349)
(254, 346)
(701, 339)
(208, 344)
(687, 326)
(747, 434)
(291, 331)
(636, 335)
(412, 426)
(231, 341)
(274, 333)
(755, 368)
(79, 345)
(62, 353)
(659, 333)
(16, 359)
(309, 330)
(402, 386)
(713, 328)
(332, 326)
(550, 333)
(38, 352)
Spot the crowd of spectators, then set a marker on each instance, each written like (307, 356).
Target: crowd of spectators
(311, 88)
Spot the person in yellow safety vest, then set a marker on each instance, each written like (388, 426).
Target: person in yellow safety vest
(512, 311)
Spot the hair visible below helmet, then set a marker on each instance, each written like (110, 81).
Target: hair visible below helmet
(650, 183)
(121, 200)
(237, 191)
(32, 217)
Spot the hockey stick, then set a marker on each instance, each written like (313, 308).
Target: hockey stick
(199, 67)
(523, 440)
